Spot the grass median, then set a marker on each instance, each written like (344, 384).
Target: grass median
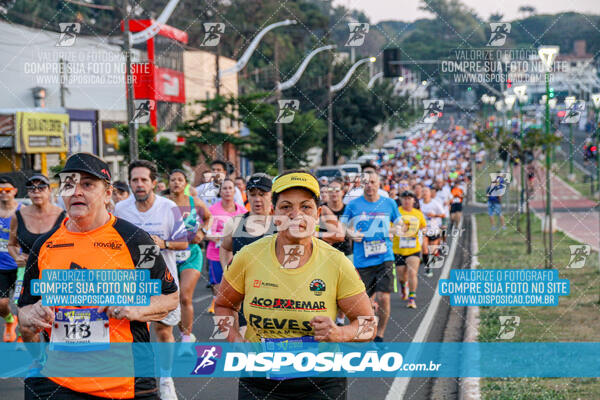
(575, 319)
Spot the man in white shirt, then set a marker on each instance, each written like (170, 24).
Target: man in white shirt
(209, 191)
(161, 218)
(357, 191)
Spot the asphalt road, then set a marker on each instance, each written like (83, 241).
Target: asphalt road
(403, 326)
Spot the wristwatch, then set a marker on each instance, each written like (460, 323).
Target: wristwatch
(166, 245)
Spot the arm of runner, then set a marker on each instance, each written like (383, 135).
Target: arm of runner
(357, 236)
(203, 210)
(159, 308)
(32, 314)
(13, 245)
(398, 225)
(172, 245)
(211, 235)
(226, 248)
(335, 229)
(227, 304)
(355, 306)
(36, 317)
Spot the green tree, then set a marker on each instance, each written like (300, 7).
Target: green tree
(304, 132)
(357, 110)
(204, 128)
(164, 153)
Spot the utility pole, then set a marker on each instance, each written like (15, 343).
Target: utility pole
(133, 139)
(63, 88)
(220, 150)
(329, 117)
(549, 146)
(278, 126)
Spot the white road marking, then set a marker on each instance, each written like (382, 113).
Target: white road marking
(400, 384)
(199, 299)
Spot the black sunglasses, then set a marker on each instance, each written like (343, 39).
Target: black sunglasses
(33, 188)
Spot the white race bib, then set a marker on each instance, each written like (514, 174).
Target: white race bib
(374, 247)
(80, 326)
(182, 255)
(408, 242)
(3, 246)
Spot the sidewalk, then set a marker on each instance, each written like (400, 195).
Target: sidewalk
(575, 215)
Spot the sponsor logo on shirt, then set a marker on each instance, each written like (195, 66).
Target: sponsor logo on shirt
(51, 245)
(113, 245)
(258, 283)
(285, 324)
(317, 286)
(288, 304)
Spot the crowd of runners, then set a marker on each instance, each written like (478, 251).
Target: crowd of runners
(265, 246)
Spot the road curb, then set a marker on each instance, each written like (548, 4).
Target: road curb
(469, 388)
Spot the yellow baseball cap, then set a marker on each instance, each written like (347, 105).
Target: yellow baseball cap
(296, 179)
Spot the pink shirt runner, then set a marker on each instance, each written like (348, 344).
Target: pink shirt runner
(220, 217)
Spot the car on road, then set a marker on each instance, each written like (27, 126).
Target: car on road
(352, 169)
(330, 171)
(367, 158)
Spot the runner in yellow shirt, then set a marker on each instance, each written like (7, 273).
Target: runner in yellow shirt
(292, 285)
(407, 247)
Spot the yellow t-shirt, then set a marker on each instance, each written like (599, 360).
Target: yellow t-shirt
(408, 243)
(280, 302)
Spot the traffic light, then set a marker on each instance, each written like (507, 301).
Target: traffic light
(551, 92)
(508, 83)
(391, 69)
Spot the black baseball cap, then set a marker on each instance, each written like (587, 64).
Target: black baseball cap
(88, 163)
(260, 181)
(407, 193)
(7, 179)
(122, 186)
(38, 177)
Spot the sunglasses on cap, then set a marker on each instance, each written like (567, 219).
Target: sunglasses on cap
(35, 188)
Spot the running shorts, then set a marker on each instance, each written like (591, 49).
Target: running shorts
(8, 277)
(44, 388)
(295, 389)
(215, 272)
(377, 278)
(455, 207)
(401, 260)
(194, 261)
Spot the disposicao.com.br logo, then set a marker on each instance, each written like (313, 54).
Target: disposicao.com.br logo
(371, 361)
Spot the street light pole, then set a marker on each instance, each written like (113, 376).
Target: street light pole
(329, 118)
(333, 89)
(279, 87)
(239, 65)
(548, 224)
(569, 101)
(133, 139)
(547, 55)
(278, 127)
